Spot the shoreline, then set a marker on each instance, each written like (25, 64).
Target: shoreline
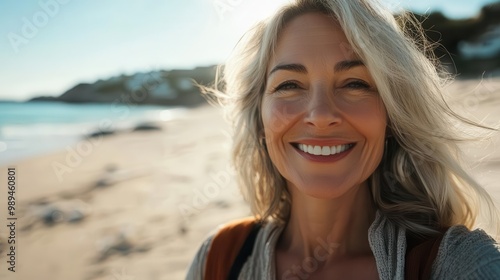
(23, 141)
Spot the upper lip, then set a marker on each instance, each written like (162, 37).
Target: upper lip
(322, 141)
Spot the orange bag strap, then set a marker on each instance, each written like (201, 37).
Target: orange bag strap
(420, 258)
(230, 248)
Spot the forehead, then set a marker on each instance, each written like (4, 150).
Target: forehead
(312, 34)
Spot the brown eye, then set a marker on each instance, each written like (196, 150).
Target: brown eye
(357, 85)
(286, 86)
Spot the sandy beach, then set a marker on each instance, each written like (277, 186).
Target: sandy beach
(137, 205)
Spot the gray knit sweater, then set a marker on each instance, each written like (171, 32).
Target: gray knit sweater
(463, 254)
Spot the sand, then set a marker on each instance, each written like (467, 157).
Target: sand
(137, 205)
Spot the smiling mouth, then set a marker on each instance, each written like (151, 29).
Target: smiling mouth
(323, 150)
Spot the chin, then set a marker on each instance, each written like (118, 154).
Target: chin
(322, 189)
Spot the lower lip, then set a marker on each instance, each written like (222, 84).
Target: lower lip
(330, 158)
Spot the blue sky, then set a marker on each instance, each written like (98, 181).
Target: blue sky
(48, 46)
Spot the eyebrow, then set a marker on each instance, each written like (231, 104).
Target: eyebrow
(299, 68)
(347, 64)
(289, 67)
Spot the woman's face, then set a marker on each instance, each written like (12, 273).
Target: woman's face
(324, 120)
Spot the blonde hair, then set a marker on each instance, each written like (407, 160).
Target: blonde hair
(420, 184)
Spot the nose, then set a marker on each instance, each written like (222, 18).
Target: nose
(321, 110)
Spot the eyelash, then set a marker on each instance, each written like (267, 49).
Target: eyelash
(285, 84)
(356, 85)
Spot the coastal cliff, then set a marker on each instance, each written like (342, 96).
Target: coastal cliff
(171, 88)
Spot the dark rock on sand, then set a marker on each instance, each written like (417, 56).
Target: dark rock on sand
(120, 244)
(146, 127)
(51, 215)
(101, 133)
(70, 211)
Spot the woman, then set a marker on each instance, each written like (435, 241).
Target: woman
(345, 152)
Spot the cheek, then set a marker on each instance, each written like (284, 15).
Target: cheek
(376, 117)
(369, 116)
(278, 116)
(369, 119)
(372, 123)
(374, 127)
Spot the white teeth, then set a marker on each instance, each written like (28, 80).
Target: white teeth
(324, 150)
(317, 150)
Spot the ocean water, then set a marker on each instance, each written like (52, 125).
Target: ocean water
(34, 128)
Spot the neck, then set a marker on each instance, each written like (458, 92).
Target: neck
(338, 226)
